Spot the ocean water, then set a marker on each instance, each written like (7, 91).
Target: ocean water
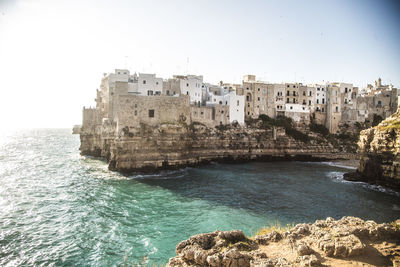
(58, 208)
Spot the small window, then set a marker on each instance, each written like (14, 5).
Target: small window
(222, 111)
(167, 92)
(288, 86)
(304, 93)
(310, 93)
(144, 81)
(220, 102)
(323, 100)
(323, 110)
(317, 101)
(309, 102)
(288, 93)
(187, 92)
(151, 113)
(294, 101)
(226, 102)
(291, 107)
(294, 93)
(187, 85)
(157, 83)
(237, 103)
(259, 89)
(337, 109)
(135, 112)
(258, 98)
(287, 100)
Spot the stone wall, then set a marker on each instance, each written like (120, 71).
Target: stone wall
(132, 110)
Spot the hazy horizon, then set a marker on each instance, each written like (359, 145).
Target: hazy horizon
(54, 53)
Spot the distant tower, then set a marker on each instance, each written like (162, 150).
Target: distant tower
(378, 83)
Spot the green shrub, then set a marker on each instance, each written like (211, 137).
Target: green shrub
(319, 128)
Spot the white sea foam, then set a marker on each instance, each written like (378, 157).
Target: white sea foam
(338, 164)
(338, 177)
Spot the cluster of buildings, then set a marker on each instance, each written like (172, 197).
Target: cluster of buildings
(131, 99)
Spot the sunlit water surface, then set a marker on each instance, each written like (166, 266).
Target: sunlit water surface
(58, 208)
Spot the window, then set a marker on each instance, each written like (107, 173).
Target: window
(288, 86)
(222, 111)
(187, 92)
(294, 86)
(287, 100)
(310, 93)
(135, 105)
(318, 89)
(187, 85)
(304, 102)
(226, 102)
(309, 102)
(237, 103)
(220, 102)
(167, 92)
(323, 100)
(202, 113)
(317, 101)
(304, 93)
(323, 110)
(149, 92)
(291, 107)
(294, 101)
(258, 98)
(345, 90)
(337, 109)
(157, 83)
(151, 113)
(288, 93)
(259, 89)
(144, 81)
(135, 112)
(294, 93)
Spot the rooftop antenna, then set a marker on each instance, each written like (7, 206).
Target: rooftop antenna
(187, 66)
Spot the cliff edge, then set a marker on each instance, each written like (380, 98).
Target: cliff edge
(379, 147)
(348, 241)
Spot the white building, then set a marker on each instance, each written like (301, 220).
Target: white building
(191, 85)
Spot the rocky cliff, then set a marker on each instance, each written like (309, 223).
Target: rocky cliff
(379, 147)
(349, 241)
(167, 146)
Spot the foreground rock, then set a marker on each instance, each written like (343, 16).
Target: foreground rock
(348, 241)
(380, 160)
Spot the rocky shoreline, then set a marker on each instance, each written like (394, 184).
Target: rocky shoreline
(348, 241)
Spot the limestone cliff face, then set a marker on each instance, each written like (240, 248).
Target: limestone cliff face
(379, 147)
(147, 148)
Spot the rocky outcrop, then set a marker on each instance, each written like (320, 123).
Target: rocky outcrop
(379, 147)
(327, 242)
(168, 146)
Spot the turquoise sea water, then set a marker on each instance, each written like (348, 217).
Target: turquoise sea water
(60, 209)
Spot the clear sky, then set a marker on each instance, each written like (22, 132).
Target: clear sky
(53, 53)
